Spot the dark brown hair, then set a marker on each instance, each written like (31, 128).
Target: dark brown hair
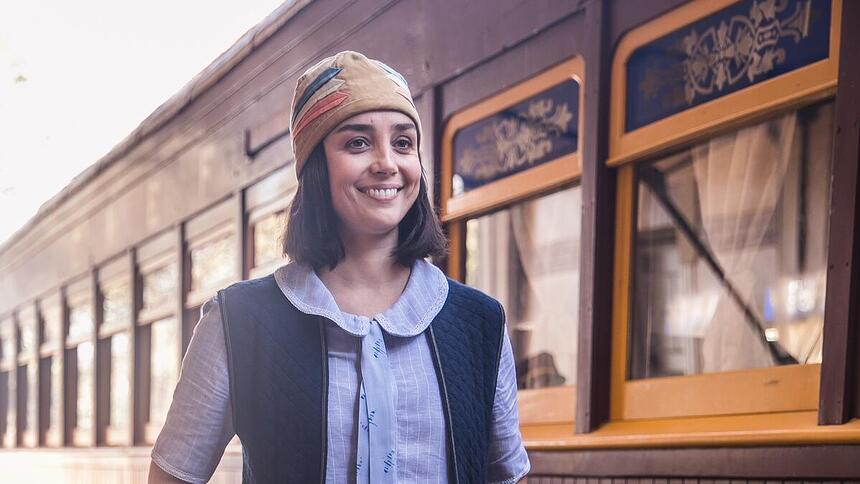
(312, 236)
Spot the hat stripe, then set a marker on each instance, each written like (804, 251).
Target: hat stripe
(330, 87)
(323, 105)
(393, 75)
(321, 79)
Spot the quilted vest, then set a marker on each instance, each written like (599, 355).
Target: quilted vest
(277, 359)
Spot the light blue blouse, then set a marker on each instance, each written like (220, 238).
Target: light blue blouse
(199, 423)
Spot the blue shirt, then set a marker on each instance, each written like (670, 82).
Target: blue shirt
(199, 423)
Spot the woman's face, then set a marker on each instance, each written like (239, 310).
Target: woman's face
(374, 170)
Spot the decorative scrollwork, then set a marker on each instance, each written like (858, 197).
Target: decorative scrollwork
(744, 47)
(517, 140)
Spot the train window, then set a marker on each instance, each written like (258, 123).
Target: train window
(28, 377)
(528, 260)
(267, 202)
(160, 287)
(723, 210)
(213, 263)
(80, 366)
(7, 383)
(114, 343)
(731, 250)
(51, 371)
(511, 205)
(267, 235)
(164, 372)
(158, 331)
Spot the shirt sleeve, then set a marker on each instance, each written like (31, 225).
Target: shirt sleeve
(509, 461)
(199, 423)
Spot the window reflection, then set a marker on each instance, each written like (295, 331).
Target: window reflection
(527, 257)
(164, 368)
(159, 286)
(120, 387)
(5, 385)
(730, 254)
(116, 303)
(213, 263)
(81, 321)
(84, 407)
(267, 235)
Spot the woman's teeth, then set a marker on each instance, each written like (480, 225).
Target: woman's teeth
(381, 194)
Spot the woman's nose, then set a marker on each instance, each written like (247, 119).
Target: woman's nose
(384, 162)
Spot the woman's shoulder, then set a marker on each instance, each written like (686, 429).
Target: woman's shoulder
(460, 294)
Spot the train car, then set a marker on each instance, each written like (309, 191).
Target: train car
(663, 194)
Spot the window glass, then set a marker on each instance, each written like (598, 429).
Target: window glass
(116, 303)
(267, 235)
(32, 396)
(4, 404)
(28, 336)
(213, 263)
(120, 387)
(81, 321)
(53, 323)
(164, 369)
(84, 407)
(731, 250)
(159, 286)
(527, 257)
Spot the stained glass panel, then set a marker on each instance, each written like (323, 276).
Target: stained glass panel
(213, 263)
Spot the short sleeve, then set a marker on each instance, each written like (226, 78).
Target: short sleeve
(508, 461)
(199, 423)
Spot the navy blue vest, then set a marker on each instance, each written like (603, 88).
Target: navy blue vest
(279, 379)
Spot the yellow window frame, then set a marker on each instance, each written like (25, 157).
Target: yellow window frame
(546, 406)
(793, 389)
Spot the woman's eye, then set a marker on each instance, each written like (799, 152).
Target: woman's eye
(403, 143)
(358, 143)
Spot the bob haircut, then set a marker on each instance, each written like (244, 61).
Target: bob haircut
(312, 237)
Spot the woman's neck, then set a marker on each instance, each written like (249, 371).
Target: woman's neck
(368, 279)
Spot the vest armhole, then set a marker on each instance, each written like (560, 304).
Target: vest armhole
(498, 361)
(231, 374)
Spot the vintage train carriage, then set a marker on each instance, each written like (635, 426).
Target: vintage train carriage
(663, 194)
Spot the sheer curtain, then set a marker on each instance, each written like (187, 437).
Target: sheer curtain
(546, 233)
(740, 179)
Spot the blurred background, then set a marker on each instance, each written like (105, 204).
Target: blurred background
(662, 194)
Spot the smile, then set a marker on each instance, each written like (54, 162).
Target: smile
(382, 194)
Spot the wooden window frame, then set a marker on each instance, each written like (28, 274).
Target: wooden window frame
(537, 407)
(198, 296)
(272, 193)
(29, 315)
(51, 432)
(786, 397)
(79, 293)
(254, 216)
(510, 189)
(9, 364)
(119, 271)
(164, 250)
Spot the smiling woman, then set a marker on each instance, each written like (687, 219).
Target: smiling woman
(359, 361)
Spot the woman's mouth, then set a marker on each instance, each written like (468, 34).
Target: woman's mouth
(381, 194)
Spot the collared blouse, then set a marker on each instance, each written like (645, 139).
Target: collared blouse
(199, 423)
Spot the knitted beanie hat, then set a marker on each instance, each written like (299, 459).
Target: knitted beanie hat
(339, 87)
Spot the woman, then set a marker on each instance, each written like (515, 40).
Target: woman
(358, 361)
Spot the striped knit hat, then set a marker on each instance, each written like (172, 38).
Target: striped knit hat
(339, 87)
